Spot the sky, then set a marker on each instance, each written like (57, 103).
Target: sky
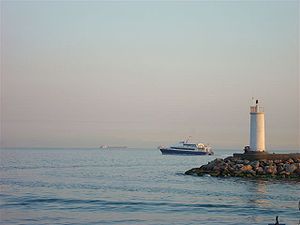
(149, 73)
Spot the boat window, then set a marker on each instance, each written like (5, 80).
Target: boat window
(190, 145)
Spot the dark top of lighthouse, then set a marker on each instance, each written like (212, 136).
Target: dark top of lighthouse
(256, 108)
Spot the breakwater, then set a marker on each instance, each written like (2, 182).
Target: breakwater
(238, 167)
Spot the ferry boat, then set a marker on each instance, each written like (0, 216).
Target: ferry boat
(185, 148)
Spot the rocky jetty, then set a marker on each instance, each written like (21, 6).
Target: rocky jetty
(236, 167)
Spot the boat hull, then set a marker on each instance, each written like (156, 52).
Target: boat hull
(166, 151)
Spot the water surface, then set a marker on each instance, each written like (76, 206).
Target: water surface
(133, 186)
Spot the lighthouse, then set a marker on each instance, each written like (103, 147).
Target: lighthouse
(257, 128)
(257, 149)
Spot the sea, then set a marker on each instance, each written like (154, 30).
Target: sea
(134, 186)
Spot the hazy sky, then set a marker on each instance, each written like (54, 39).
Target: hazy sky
(148, 73)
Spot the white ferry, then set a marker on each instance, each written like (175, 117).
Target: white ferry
(185, 148)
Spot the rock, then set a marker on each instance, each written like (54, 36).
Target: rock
(204, 167)
(216, 169)
(269, 163)
(285, 174)
(232, 159)
(210, 166)
(270, 170)
(250, 173)
(240, 161)
(297, 160)
(290, 161)
(218, 160)
(280, 169)
(255, 164)
(224, 173)
(297, 171)
(191, 172)
(237, 173)
(246, 162)
(229, 159)
(223, 166)
(215, 174)
(263, 162)
(290, 168)
(259, 170)
(238, 166)
(246, 168)
(230, 169)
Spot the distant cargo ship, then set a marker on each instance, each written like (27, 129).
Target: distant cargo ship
(112, 147)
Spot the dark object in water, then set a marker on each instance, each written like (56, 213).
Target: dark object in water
(277, 223)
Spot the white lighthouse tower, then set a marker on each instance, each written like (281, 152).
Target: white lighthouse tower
(257, 128)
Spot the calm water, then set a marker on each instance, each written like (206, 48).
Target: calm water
(133, 186)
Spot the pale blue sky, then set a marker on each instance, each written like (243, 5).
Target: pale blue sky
(147, 73)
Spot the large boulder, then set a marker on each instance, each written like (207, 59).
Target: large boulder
(297, 172)
(270, 170)
(238, 166)
(297, 160)
(246, 168)
(290, 161)
(240, 161)
(246, 162)
(254, 164)
(280, 168)
(290, 168)
(259, 170)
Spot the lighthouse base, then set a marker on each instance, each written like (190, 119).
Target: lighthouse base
(252, 155)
